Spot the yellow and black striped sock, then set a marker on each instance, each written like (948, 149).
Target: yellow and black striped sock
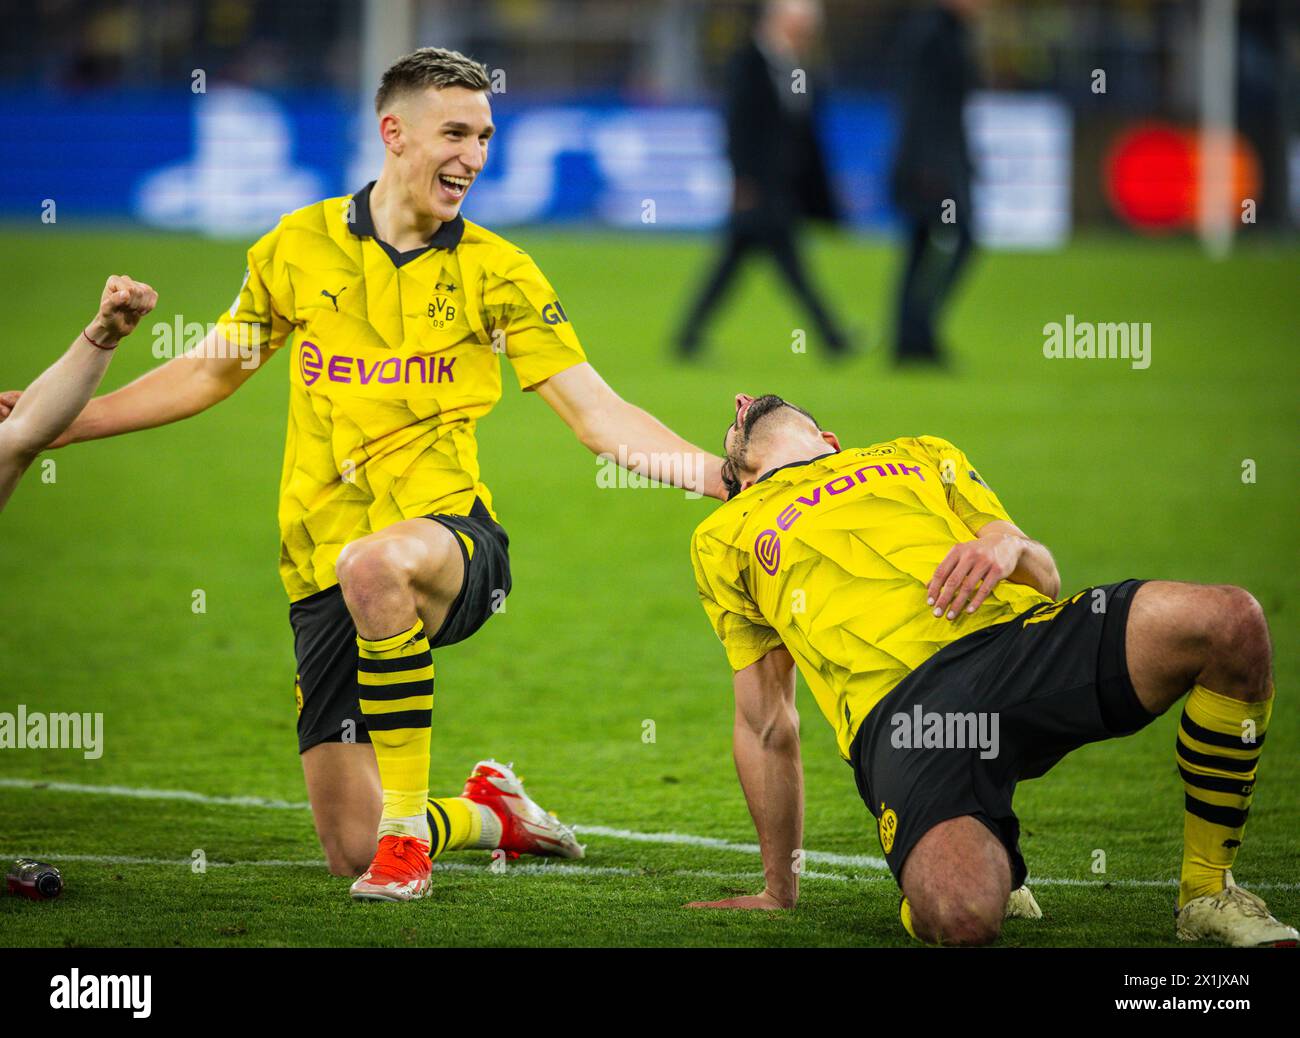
(395, 676)
(457, 823)
(1219, 745)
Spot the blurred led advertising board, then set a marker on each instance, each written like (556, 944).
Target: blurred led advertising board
(229, 162)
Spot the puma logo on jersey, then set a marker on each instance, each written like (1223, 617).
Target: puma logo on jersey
(334, 296)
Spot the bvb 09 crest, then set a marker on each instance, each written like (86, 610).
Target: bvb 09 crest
(888, 827)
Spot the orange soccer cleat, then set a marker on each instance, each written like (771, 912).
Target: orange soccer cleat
(401, 871)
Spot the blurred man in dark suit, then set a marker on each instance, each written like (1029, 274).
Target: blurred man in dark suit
(780, 170)
(931, 177)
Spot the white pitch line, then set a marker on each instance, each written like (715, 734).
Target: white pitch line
(1050, 881)
(139, 793)
(678, 839)
(859, 861)
(127, 859)
(527, 869)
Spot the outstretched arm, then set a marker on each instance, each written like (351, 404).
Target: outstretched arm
(609, 426)
(766, 748)
(181, 388)
(31, 420)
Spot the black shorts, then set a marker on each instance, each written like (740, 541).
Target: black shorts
(1009, 701)
(325, 639)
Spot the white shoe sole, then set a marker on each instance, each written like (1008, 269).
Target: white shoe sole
(383, 894)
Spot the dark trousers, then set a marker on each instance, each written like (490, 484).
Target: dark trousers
(936, 254)
(777, 239)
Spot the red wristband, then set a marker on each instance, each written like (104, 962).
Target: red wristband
(97, 345)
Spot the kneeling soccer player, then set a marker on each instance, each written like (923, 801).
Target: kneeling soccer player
(397, 312)
(924, 623)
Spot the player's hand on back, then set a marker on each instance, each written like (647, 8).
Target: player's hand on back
(970, 572)
(121, 306)
(8, 400)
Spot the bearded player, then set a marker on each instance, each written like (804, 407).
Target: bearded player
(399, 310)
(894, 580)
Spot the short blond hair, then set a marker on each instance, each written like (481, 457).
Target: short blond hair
(429, 67)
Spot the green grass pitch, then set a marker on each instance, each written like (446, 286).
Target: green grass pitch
(1121, 472)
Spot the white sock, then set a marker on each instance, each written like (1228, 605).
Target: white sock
(411, 825)
(490, 837)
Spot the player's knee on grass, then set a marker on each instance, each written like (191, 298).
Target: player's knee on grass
(957, 880)
(348, 838)
(346, 858)
(346, 803)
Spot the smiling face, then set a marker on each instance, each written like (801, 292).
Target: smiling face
(438, 140)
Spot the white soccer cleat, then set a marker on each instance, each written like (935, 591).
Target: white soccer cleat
(1021, 905)
(1233, 916)
(525, 827)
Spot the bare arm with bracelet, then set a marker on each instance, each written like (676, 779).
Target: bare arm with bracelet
(33, 420)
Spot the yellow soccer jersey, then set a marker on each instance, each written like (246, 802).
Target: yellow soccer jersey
(831, 558)
(395, 357)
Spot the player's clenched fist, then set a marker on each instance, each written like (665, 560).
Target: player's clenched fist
(121, 306)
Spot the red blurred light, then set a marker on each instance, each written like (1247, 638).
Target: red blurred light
(1150, 177)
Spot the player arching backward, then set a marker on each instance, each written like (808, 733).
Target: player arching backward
(919, 593)
(389, 546)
